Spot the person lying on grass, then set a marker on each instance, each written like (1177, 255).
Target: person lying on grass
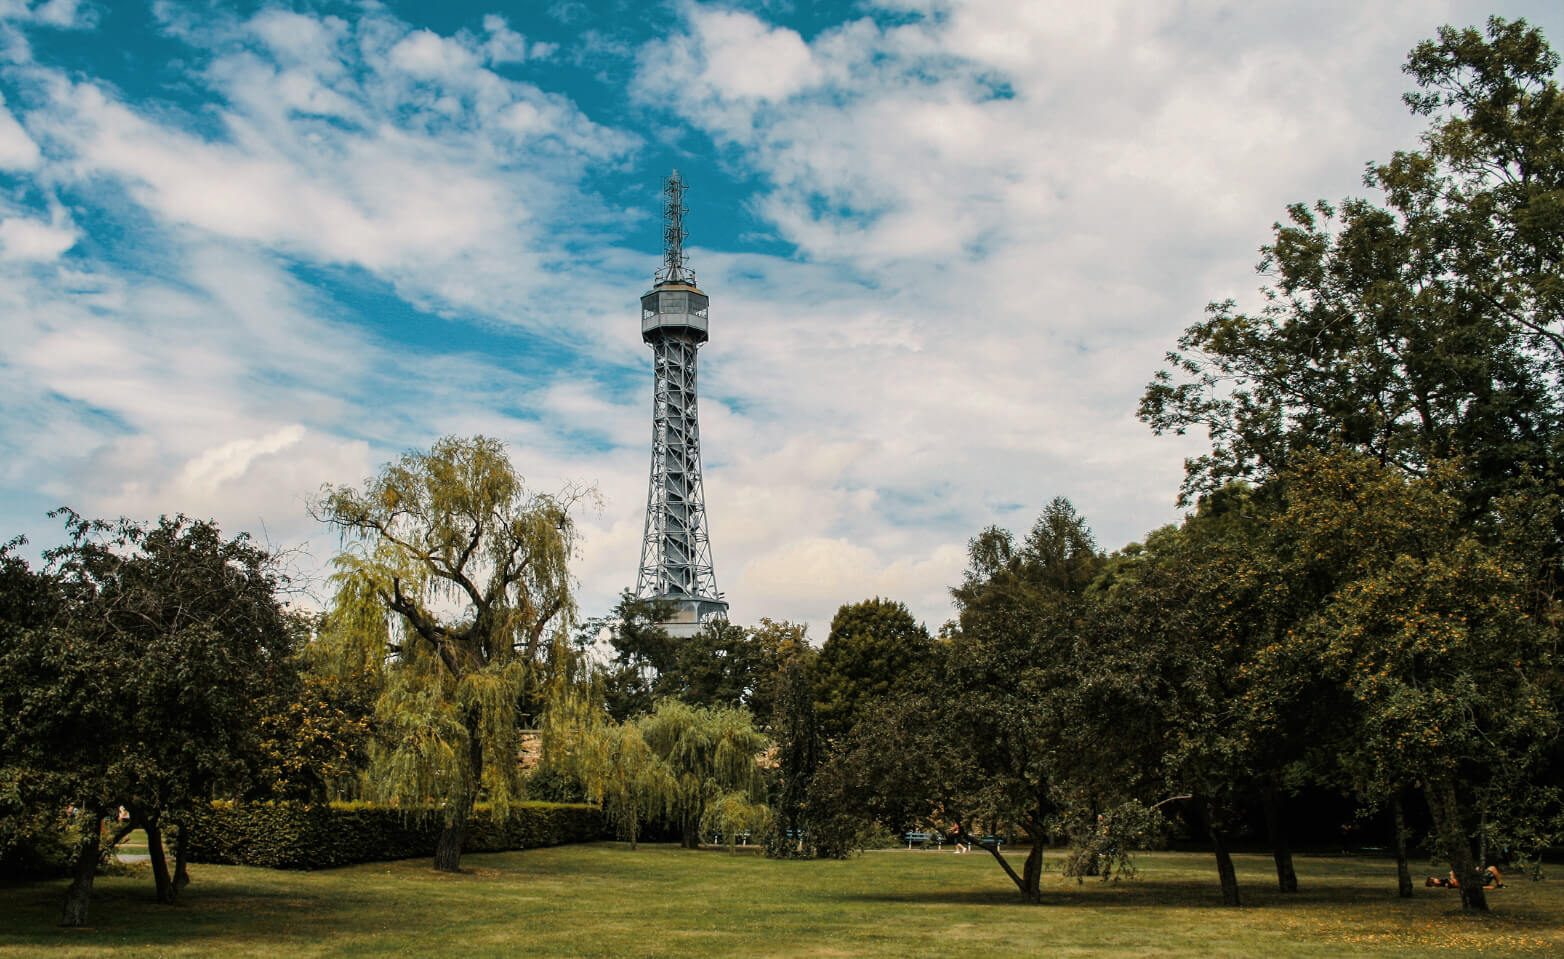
(1491, 880)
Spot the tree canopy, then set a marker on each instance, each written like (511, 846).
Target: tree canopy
(1423, 326)
(874, 647)
(146, 658)
(456, 578)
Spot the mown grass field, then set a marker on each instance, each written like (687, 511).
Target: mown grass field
(605, 900)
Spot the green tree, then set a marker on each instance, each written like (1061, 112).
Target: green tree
(644, 653)
(1429, 629)
(31, 839)
(783, 703)
(147, 688)
(1028, 688)
(999, 737)
(710, 753)
(874, 648)
(471, 567)
(718, 666)
(1058, 557)
(894, 770)
(1492, 169)
(315, 736)
(1421, 328)
(781, 648)
(1180, 618)
(610, 758)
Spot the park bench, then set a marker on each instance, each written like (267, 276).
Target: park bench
(992, 841)
(923, 838)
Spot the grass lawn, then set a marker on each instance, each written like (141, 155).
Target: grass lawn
(134, 843)
(604, 900)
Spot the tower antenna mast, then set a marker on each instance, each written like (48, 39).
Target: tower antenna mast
(673, 268)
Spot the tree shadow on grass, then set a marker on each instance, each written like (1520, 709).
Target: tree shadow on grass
(1168, 894)
(127, 909)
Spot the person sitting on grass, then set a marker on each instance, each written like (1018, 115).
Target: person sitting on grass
(1491, 879)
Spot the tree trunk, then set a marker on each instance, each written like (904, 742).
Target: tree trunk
(1462, 863)
(89, 840)
(1482, 839)
(120, 833)
(1403, 871)
(1031, 871)
(448, 849)
(1281, 851)
(181, 847)
(166, 893)
(1446, 807)
(1224, 861)
(690, 836)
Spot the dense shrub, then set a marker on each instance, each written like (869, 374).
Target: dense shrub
(34, 843)
(296, 835)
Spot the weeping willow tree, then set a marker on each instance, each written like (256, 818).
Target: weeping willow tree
(733, 814)
(711, 754)
(612, 760)
(693, 765)
(453, 575)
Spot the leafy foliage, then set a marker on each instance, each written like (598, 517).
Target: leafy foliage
(472, 569)
(874, 647)
(710, 753)
(296, 835)
(1419, 329)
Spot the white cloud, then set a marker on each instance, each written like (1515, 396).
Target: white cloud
(214, 467)
(371, 144)
(22, 238)
(60, 14)
(425, 53)
(745, 58)
(504, 45)
(18, 152)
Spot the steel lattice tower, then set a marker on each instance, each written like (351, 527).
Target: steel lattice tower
(675, 551)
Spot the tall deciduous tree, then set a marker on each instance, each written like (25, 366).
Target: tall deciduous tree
(471, 567)
(1422, 327)
(874, 647)
(1024, 624)
(645, 657)
(1000, 735)
(147, 687)
(1428, 627)
(1422, 330)
(1180, 618)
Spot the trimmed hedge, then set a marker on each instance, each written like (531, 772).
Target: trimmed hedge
(296, 835)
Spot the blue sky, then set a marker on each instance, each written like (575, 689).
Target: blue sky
(250, 248)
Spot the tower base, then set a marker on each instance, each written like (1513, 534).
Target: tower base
(692, 614)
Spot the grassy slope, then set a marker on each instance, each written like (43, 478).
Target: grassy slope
(604, 900)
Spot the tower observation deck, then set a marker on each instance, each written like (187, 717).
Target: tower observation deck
(676, 551)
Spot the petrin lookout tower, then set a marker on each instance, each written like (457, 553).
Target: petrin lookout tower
(675, 552)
